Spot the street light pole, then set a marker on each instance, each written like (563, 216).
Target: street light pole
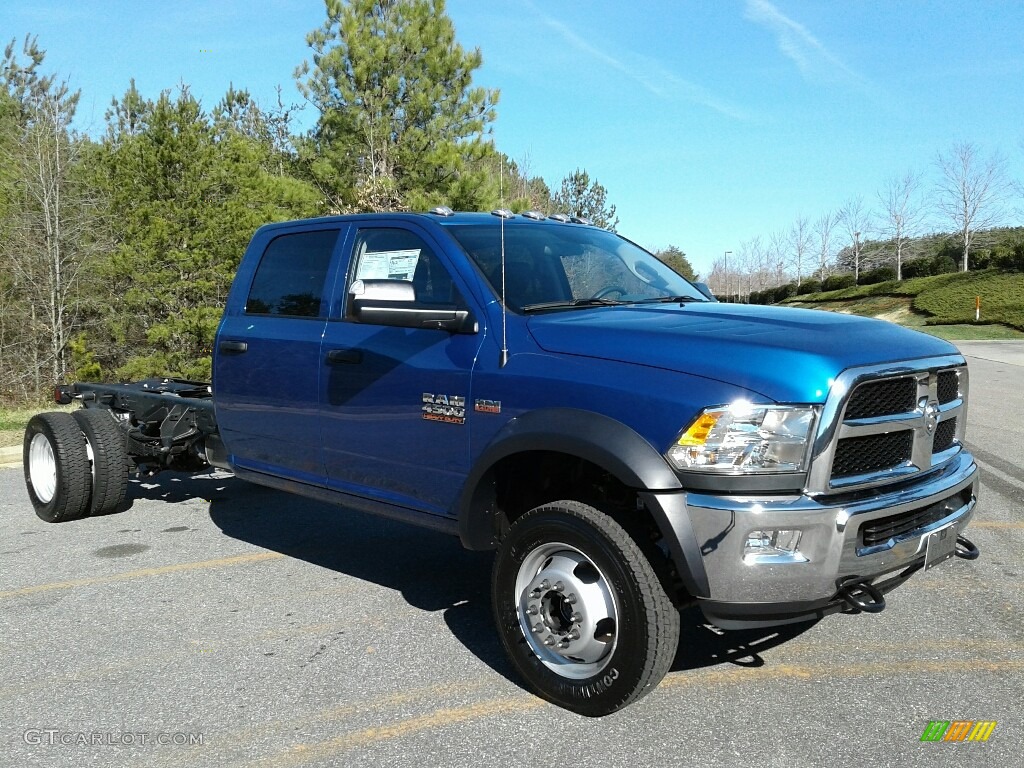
(727, 275)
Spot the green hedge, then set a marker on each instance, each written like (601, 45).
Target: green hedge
(1002, 299)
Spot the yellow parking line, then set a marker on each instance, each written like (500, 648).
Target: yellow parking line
(305, 753)
(127, 575)
(302, 753)
(726, 675)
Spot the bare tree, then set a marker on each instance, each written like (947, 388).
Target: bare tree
(757, 260)
(903, 214)
(48, 233)
(855, 221)
(776, 253)
(800, 244)
(824, 228)
(971, 191)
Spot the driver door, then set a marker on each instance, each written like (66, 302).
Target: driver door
(393, 415)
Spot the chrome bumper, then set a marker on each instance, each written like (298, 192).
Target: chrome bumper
(745, 593)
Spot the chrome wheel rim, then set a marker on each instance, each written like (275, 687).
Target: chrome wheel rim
(42, 468)
(567, 610)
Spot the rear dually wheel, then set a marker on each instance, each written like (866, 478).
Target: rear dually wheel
(56, 466)
(109, 458)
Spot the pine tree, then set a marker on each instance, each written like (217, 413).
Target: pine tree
(184, 191)
(579, 196)
(676, 259)
(400, 123)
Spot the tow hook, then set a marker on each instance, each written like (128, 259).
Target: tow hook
(966, 549)
(862, 596)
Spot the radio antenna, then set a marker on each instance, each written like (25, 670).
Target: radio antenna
(503, 358)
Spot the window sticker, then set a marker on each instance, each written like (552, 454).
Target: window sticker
(388, 265)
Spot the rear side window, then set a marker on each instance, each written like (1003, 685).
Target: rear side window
(290, 278)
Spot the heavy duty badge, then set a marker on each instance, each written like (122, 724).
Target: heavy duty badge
(447, 408)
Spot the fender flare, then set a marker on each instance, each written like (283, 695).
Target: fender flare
(604, 442)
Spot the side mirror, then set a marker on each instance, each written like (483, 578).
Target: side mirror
(393, 302)
(703, 288)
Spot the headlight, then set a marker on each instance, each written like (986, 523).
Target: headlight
(743, 438)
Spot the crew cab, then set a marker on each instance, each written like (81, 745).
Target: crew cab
(547, 389)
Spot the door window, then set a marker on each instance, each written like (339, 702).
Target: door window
(290, 279)
(398, 254)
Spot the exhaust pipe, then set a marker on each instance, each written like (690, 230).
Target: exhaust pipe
(862, 596)
(966, 549)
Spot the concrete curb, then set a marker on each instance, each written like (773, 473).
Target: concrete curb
(10, 457)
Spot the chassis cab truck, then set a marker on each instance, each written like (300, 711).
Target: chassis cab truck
(549, 390)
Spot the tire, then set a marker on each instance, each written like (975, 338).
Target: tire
(56, 467)
(580, 611)
(109, 459)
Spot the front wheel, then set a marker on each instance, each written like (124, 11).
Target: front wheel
(580, 610)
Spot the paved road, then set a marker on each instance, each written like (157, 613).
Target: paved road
(288, 633)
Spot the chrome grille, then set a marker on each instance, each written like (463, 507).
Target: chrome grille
(945, 433)
(886, 423)
(872, 453)
(948, 388)
(883, 398)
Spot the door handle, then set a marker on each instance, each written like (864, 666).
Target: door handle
(345, 356)
(236, 347)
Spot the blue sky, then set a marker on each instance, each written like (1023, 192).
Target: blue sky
(709, 122)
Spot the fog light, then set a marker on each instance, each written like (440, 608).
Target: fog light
(779, 546)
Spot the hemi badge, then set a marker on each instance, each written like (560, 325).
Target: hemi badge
(487, 406)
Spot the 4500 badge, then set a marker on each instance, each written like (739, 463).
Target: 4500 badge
(447, 408)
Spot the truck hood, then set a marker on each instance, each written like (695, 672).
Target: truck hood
(782, 353)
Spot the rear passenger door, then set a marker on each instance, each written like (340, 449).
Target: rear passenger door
(267, 361)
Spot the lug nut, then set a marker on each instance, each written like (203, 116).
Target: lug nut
(532, 610)
(544, 585)
(570, 598)
(573, 635)
(538, 627)
(549, 641)
(576, 617)
(564, 644)
(535, 594)
(559, 586)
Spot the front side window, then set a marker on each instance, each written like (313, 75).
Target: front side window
(555, 265)
(398, 254)
(290, 278)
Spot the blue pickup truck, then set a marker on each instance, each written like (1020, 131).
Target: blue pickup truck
(547, 389)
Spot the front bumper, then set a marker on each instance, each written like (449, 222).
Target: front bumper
(736, 593)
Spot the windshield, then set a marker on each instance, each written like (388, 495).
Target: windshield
(549, 266)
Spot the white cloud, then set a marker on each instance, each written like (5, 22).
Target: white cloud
(795, 41)
(647, 73)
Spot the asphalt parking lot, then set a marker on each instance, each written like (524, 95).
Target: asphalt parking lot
(216, 623)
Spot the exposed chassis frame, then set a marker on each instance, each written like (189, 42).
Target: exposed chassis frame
(168, 423)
